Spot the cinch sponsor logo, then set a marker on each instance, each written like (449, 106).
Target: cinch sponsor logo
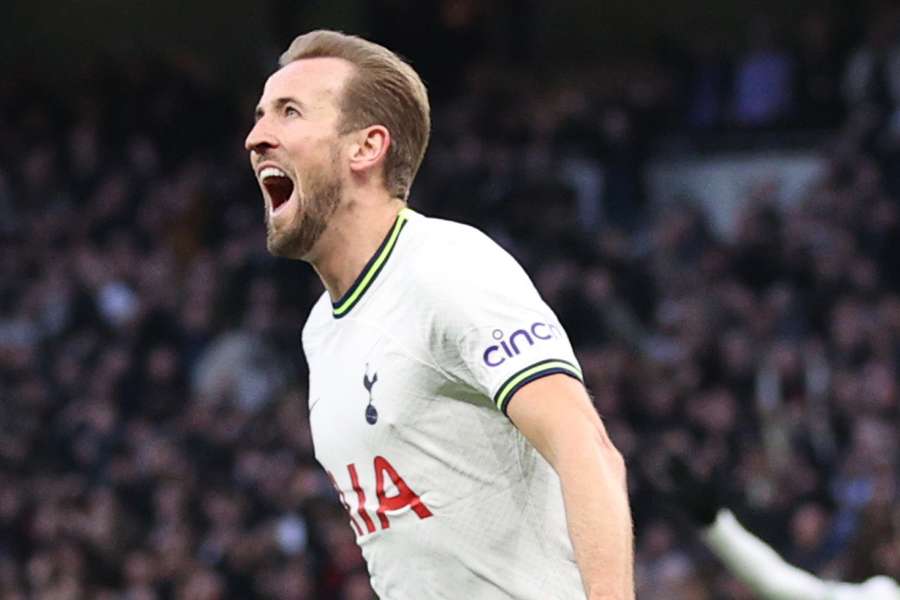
(496, 355)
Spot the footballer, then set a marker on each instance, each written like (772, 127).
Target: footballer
(446, 403)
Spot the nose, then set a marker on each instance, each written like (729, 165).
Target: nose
(260, 138)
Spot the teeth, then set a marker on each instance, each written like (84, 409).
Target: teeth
(271, 172)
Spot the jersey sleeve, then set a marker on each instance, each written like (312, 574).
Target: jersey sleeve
(880, 587)
(756, 564)
(493, 330)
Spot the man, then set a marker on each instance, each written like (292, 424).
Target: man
(445, 400)
(749, 558)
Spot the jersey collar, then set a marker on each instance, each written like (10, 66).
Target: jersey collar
(352, 296)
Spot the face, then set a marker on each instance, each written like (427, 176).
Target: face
(295, 151)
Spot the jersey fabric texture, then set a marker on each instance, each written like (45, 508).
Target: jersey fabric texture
(411, 372)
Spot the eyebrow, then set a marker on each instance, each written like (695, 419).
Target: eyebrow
(278, 103)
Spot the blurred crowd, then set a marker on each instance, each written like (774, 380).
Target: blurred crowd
(154, 440)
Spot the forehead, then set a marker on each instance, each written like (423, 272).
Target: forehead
(312, 80)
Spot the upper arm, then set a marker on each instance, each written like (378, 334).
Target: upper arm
(490, 328)
(556, 415)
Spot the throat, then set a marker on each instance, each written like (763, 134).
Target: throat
(352, 255)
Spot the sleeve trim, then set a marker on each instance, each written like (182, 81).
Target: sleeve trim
(529, 374)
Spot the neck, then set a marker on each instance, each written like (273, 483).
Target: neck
(352, 237)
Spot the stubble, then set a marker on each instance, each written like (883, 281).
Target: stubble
(315, 207)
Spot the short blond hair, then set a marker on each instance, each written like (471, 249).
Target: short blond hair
(384, 90)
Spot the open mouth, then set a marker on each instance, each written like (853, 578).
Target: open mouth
(278, 186)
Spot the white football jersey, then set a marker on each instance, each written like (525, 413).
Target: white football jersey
(410, 375)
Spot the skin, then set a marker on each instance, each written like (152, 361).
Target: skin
(556, 415)
(338, 214)
(340, 210)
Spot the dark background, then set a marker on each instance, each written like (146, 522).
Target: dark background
(154, 440)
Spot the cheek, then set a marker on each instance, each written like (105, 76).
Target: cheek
(309, 152)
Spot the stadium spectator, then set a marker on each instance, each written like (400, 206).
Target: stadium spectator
(763, 79)
(135, 288)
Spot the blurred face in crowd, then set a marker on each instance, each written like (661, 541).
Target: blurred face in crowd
(295, 150)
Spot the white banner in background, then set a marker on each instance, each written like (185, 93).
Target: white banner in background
(723, 184)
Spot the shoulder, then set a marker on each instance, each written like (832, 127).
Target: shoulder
(453, 257)
(442, 236)
(459, 278)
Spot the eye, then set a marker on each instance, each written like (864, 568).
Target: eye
(291, 111)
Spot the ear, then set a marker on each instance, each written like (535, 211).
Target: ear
(370, 148)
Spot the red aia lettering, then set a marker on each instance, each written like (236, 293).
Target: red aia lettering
(360, 498)
(405, 496)
(344, 503)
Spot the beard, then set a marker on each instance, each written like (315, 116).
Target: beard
(315, 207)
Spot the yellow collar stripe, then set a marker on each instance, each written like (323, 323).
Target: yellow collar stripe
(372, 268)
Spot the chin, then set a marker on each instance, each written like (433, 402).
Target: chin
(279, 246)
(289, 244)
(273, 247)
